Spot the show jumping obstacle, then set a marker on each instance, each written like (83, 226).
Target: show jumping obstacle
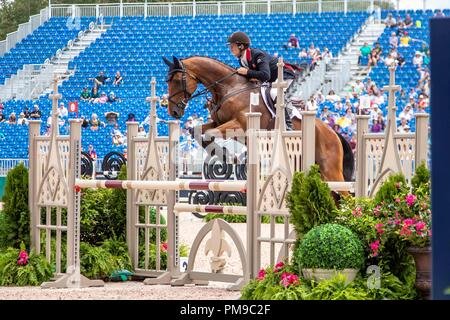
(273, 156)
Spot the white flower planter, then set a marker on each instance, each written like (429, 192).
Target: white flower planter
(324, 274)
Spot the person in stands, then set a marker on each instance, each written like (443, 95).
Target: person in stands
(118, 79)
(85, 96)
(293, 41)
(100, 79)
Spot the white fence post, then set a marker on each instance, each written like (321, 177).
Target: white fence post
(145, 9)
(243, 8)
(319, 8)
(121, 9)
(371, 6)
(97, 11)
(268, 7)
(49, 10)
(424, 5)
(294, 7)
(170, 9)
(218, 8)
(345, 7)
(194, 9)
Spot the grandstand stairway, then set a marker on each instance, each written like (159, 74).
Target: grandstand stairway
(62, 59)
(370, 34)
(34, 80)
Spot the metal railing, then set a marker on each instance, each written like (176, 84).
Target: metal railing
(196, 8)
(24, 30)
(8, 164)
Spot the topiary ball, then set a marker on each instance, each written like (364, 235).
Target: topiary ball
(330, 246)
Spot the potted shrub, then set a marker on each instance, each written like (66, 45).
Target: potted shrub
(329, 249)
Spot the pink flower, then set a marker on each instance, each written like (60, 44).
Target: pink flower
(398, 185)
(420, 225)
(397, 221)
(408, 222)
(397, 200)
(278, 266)
(375, 254)
(261, 274)
(23, 258)
(410, 199)
(288, 279)
(376, 211)
(375, 245)
(164, 246)
(379, 227)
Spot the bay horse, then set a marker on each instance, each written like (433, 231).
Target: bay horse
(231, 101)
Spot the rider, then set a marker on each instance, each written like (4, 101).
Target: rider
(257, 64)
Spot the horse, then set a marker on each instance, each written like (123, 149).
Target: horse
(231, 101)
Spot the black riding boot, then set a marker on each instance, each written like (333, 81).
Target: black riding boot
(288, 120)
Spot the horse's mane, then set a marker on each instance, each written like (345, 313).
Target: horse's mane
(214, 59)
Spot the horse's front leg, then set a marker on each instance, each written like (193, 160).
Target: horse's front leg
(199, 131)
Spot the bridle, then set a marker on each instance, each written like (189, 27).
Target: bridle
(187, 96)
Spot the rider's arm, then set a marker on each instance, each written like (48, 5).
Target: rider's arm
(263, 71)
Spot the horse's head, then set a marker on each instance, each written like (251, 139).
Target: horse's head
(182, 84)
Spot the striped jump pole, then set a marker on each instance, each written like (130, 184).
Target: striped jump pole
(212, 185)
(181, 207)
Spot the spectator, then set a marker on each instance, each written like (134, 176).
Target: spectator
(100, 79)
(22, 120)
(403, 125)
(408, 21)
(393, 40)
(439, 13)
(412, 94)
(311, 105)
(94, 95)
(12, 118)
(2, 116)
(36, 114)
(338, 107)
(112, 98)
(327, 56)
(336, 128)
(375, 55)
(164, 102)
(26, 113)
(359, 86)
(141, 132)
(84, 123)
(95, 122)
(381, 120)
(424, 49)
(407, 113)
(111, 117)
(62, 111)
(118, 79)
(390, 21)
(312, 50)
(379, 98)
(364, 52)
(303, 54)
(329, 119)
(92, 153)
(131, 117)
(333, 97)
(376, 127)
(369, 84)
(187, 153)
(389, 60)
(405, 39)
(418, 59)
(118, 138)
(324, 114)
(374, 112)
(85, 96)
(103, 98)
(398, 58)
(293, 42)
(1, 105)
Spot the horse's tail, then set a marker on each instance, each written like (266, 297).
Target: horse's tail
(348, 164)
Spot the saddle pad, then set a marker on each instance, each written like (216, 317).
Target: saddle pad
(265, 93)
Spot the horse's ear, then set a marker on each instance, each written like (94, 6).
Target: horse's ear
(176, 62)
(166, 61)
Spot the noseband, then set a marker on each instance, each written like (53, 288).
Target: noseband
(187, 96)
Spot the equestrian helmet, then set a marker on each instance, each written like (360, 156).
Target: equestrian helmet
(239, 37)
